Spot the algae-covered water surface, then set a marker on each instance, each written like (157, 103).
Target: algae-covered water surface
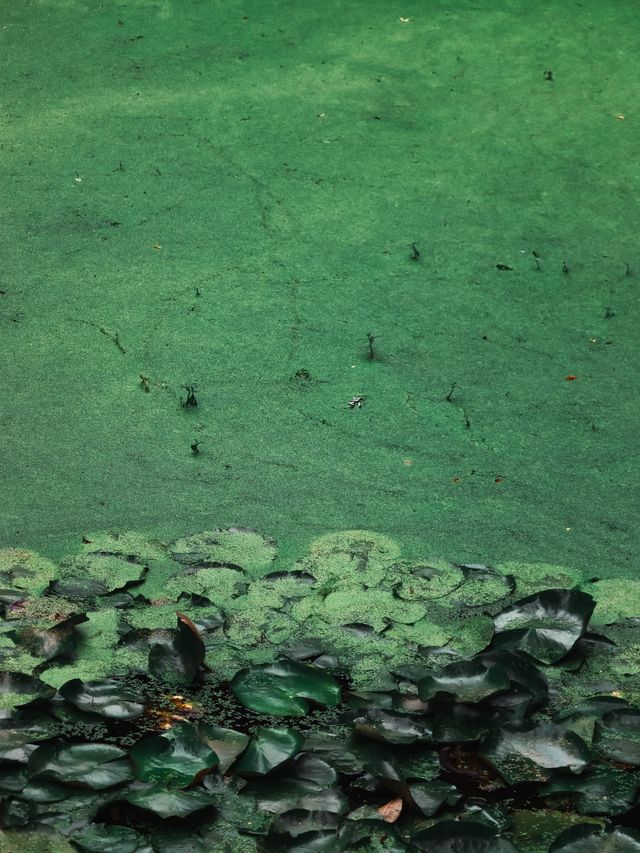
(318, 332)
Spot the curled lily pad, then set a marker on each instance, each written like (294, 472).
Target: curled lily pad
(49, 643)
(587, 838)
(617, 735)
(226, 743)
(600, 790)
(392, 728)
(467, 681)
(268, 749)
(177, 656)
(483, 585)
(463, 837)
(17, 689)
(429, 796)
(108, 698)
(177, 757)
(94, 765)
(530, 753)
(545, 625)
(283, 688)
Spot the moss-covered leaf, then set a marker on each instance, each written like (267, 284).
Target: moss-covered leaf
(586, 838)
(531, 752)
(464, 837)
(166, 804)
(226, 743)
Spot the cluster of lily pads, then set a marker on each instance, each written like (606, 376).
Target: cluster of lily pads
(202, 696)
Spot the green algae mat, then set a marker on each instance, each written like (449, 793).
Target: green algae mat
(318, 326)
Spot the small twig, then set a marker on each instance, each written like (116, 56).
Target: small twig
(450, 394)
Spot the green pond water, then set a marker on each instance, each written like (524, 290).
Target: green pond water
(308, 268)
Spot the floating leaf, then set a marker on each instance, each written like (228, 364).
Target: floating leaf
(176, 657)
(282, 688)
(109, 839)
(96, 765)
(464, 837)
(545, 625)
(49, 643)
(530, 753)
(392, 728)
(107, 698)
(586, 838)
(617, 736)
(601, 790)
(236, 546)
(428, 797)
(177, 757)
(226, 743)
(467, 681)
(268, 749)
(108, 571)
(16, 689)
(164, 803)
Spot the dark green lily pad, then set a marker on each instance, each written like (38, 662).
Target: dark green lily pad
(107, 698)
(532, 752)
(601, 790)
(282, 688)
(164, 803)
(467, 681)
(465, 837)
(177, 757)
(545, 625)
(176, 657)
(392, 728)
(94, 765)
(617, 735)
(429, 796)
(586, 838)
(109, 839)
(268, 749)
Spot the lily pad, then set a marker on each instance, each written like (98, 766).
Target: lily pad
(178, 656)
(546, 625)
(108, 572)
(94, 765)
(283, 688)
(429, 796)
(530, 753)
(177, 757)
(25, 571)
(392, 728)
(601, 790)
(226, 743)
(109, 839)
(165, 804)
(586, 838)
(467, 681)
(107, 698)
(49, 643)
(268, 749)
(17, 689)
(240, 547)
(617, 736)
(464, 837)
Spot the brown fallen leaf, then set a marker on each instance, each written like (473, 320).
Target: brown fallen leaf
(390, 812)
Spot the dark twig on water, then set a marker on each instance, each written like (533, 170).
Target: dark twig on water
(191, 399)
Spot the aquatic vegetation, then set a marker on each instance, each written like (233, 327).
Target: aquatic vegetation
(200, 696)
